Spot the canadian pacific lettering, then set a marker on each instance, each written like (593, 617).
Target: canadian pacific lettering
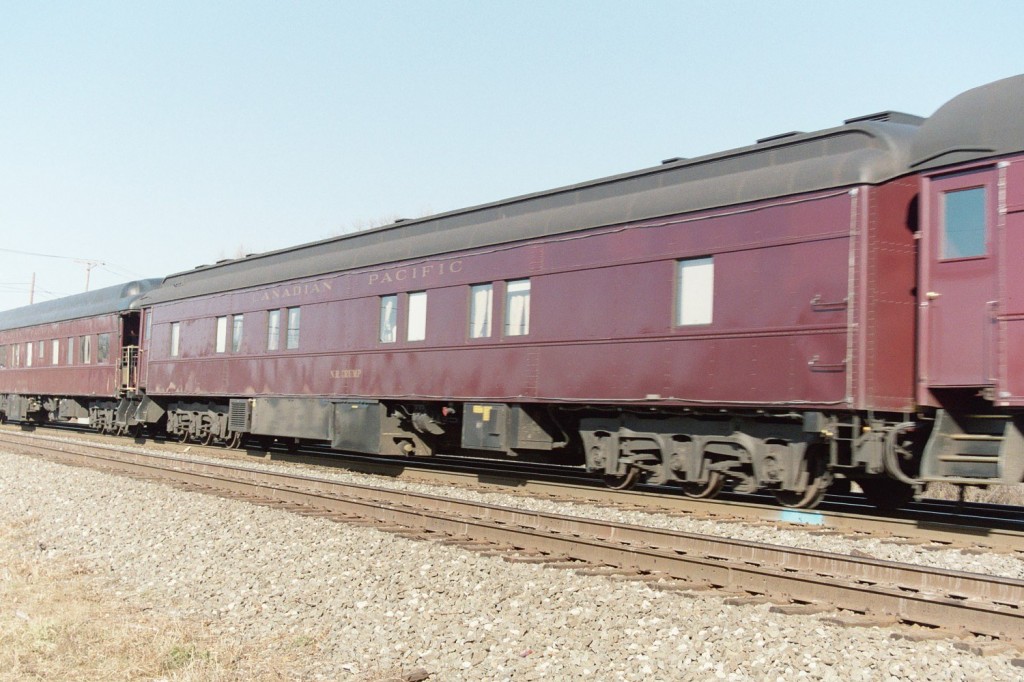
(294, 291)
(414, 272)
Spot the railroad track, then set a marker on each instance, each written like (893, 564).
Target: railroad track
(938, 524)
(866, 591)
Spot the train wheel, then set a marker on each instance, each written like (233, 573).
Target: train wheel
(885, 493)
(808, 499)
(623, 481)
(705, 490)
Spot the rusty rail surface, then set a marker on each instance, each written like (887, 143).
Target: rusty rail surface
(951, 600)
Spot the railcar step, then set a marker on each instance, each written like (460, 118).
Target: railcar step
(988, 459)
(976, 436)
(960, 481)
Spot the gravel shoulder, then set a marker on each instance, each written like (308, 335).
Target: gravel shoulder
(321, 600)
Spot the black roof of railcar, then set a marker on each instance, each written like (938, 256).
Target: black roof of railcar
(113, 299)
(866, 150)
(983, 122)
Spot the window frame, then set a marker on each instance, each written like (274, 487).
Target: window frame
(483, 328)
(387, 319)
(55, 351)
(514, 290)
(683, 312)
(85, 349)
(237, 332)
(221, 326)
(175, 339)
(291, 335)
(416, 320)
(102, 353)
(944, 231)
(274, 330)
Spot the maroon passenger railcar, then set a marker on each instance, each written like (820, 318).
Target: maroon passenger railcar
(842, 304)
(743, 316)
(71, 358)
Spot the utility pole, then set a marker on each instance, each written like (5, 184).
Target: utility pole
(32, 290)
(89, 265)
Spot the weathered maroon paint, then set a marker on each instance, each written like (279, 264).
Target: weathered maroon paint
(957, 296)
(809, 290)
(45, 378)
(1010, 346)
(973, 333)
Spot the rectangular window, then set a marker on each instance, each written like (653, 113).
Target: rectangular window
(291, 340)
(273, 329)
(55, 351)
(963, 222)
(86, 349)
(417, 330)
(40, 350)
(149, 326)
(102, 348)
(17, 355)
(517, 308)
(3, 357)
(481, 303)
(388, 319)
(71, 350)
(695, 283)
(222, 334)
(236, 333)
(175, 338)
(28, 354)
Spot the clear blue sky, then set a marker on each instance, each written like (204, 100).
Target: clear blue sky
(157, 136)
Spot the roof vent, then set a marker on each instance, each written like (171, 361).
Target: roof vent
(780, 136)
(674, 159)
(887, 117)
(400, 220)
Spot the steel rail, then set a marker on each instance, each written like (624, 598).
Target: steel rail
(946, 525)
(954, 600)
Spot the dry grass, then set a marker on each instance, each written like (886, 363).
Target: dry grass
(59, 622)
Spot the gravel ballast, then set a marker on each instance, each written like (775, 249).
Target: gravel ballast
(373, 601)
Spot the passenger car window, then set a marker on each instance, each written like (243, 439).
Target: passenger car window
(417, 316)
(388, 319)
(236, 333)
(963, 223)
(273, 329)
(481, 303)
(102, 348)
(86, 349)
(517, 308)
(695, 288)
(222, 334)
(175, 338)
(292, 337)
